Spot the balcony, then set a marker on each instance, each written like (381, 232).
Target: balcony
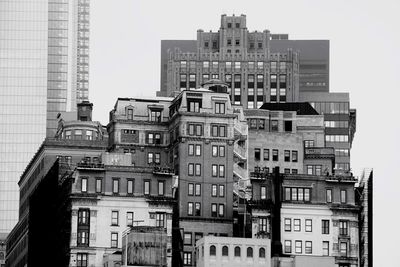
(167, 171)
(319, 153)
(93, 166)
(340, 178)
(240, 152)
(259, 173)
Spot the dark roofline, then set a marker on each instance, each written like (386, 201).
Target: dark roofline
(301, 108)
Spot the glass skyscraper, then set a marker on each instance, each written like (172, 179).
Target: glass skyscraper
(44, 49)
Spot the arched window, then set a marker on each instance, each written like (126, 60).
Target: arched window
(261, 253)
(249, 252)
(237, 251)
(225, 251)
(213, 250)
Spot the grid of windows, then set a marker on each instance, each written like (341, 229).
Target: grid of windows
(297, 194)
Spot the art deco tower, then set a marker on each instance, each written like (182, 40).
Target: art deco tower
(44, 47)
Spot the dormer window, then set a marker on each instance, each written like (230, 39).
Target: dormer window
(129, 115)
(155, 115)
(194, 105)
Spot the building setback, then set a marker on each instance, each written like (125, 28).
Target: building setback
(44, 72)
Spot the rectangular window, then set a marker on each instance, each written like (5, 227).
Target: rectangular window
(84, 184)
(257, 154)
(343, 228)
(296, 225)
(263, 192)
(198, 190)
(129, 218)
(221, 151)
(191, 150)
(83, 217)
(343, 196)
(294, 194)
(288, 225)
(146, 189)
(160, 220)
(198, 150)
(266, 154)
(221, 210)
(325, 227)
(263, 224)
(274, 126)
(298, 247)
(288, 246)
(83, 237)
(308, 247)
(287, 171)
(190, 169)
(221, 191)
(214, 170)
(300, 194)
(114, 240)
(343, 249)
(325, 248)
(187, 258)
(99, 186)
(287, 155)
(215, 151)
(198, 236)
(190, 189)
(194, 106)
(197, 209)
(187, 238)
(115, 186)
(219, 108)
(307, 194)
(329, 195)
(150, 158)
(161, 188)
(294, 155)
(198, 169)
(214, 190)
(81, 260)
(129, 185)
(308, 225)
(222, 171)
(308, 143)
(213, 210)
(114, 218)
(190, 208)
(275, 155)
(155, 115)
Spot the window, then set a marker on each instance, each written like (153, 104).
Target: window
(190, 189)
(237, 252)
(82, 259)
(187, 258)
(198, 236)
(194, 106)
(197, 209)
(129, 185)
(229, 42)
(187, 238)
(343, 249)
(218, 130)
(155, 115)
(288, 124)
(309, 143)
(84, 183)
(129, 218)
(257, 154)
(274, 126)
(195, 129)
(115, 186)
(221, 210)
(287, 155)
(229, 25)
(325, 248)
(325, 227)
(225, 251)
(161, 186)
(249, 252)
(205, 45)
(213, 250)
(114, 218)
(99, 186)
(294, 156)
(146, 189)
(215, 151)
(343, 227)
(191, 169)
(214, 170)
(261, 253)
(298, 247)
(160, 220)
(198, 190)
(260, 45)
(343, 196)
(296, 225)
(197, 169)
(198, 150)
(114, 240)
(308, 247)
(191, 150)
(214, 190)
(307, 194)
(183, 64)
(150, 158)
(221, 190)
(294, 171)
(213, 210)
(310, 169)
(263, 192)
(288, 246)
(266, 154)
(222, 151)
(190, 208)
(222, 171)
(263, 224)
(288, 225)
(83, 217)
(219, 108)
(308, 225)
(275, 156)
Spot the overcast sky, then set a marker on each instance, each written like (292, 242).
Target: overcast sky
(364, 61)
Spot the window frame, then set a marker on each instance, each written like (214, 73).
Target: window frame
(115, 240)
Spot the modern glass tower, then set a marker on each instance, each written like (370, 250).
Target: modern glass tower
(44, 47)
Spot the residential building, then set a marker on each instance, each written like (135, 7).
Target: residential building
(340, 124)
(43, 71)
(236, 56)
(230, 251)
(364, 199)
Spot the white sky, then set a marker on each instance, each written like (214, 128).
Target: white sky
(364, 61)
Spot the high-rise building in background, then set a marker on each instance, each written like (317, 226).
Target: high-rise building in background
(262, 67)
(43, 71)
